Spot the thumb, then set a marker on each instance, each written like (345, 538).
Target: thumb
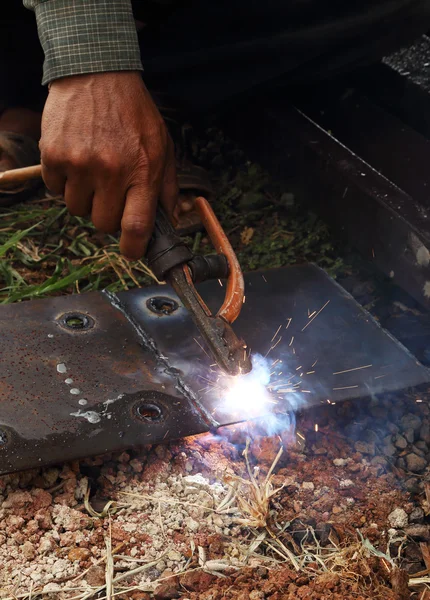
(137, 221)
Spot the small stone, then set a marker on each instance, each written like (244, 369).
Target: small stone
(51, 588)
(346, 483)
(197, 581)
(95, 575)
(417, 515)
(411, 485)
(365, 447)
(422, 446)
(410, 435)
(415, 463)
(78, 554)
(136, 465)
(418, 532)
(336, 510)
(256, 595)
(174, 555)
(410, 421)
(168, 590)
(389, 450)
(192, 525)
(308, 485)
(392, 428)
(340, 462)
(400, 442)
(197, 481)
(425, 431)
(398, 518)
(161, 565)
(28, 550)
(401, 463)
(417, 451)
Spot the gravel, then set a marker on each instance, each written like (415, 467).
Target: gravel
(398, 519)
(415, 463)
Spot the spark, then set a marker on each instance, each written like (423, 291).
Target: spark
(309, 372)
(292, 340)
(289, 323)
(264, 278)
(306, 391)
(276, 333)
(244, 300)
(316, 314)
(348, 387)
(299, 368)
(300, 435)
(220, 282)
(315, 362)
(198, 344)
(379, 377)
(311, 315)
(354, 369)
(418, 400)
(273, 347)
(316, 427)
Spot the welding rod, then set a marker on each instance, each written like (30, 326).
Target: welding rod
(20, 175)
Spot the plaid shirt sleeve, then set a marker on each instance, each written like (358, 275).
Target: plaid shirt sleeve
(86, 36)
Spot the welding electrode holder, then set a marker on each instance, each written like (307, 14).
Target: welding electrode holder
(170, 259)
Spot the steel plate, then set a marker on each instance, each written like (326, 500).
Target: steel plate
(93, 373)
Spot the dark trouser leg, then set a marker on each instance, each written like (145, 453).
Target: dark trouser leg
(209, 52)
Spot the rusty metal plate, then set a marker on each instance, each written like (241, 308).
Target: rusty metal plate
(93, 373)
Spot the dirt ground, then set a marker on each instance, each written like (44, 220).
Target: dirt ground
(348, 517)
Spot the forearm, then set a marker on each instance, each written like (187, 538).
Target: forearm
(86, 36)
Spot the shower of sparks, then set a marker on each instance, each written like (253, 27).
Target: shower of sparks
(315, 316)
(354, 369)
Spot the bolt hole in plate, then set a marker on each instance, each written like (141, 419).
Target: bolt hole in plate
(4, 438)
(149, 412)
(161, 305)
(76, 321)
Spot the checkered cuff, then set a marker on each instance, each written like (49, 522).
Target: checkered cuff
(86, 36)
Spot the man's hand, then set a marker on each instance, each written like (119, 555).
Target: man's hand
(105, 147)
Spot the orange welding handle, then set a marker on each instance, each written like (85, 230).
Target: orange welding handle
(235, 293)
